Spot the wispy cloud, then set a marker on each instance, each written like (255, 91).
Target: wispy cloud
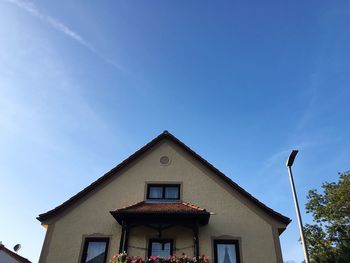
(47, 119)
(56, 24)
(275, 158)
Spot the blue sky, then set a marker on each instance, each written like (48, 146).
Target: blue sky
(84, 84)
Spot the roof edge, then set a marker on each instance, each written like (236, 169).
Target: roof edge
(49, 214)
(14, 255)
(164, 135)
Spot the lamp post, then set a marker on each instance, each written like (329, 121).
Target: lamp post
(289, 164)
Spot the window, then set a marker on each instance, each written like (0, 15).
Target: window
(163, 192)
(226, 251)
(160, 247)
(95, 250)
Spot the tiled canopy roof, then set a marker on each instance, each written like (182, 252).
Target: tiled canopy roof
(162, 208)
(164, 213)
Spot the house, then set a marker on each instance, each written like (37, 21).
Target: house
(164, 199)
(8, 256)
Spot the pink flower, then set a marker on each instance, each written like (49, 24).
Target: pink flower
(153, 258)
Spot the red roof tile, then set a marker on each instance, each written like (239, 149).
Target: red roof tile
(144, 207)
(148, 213)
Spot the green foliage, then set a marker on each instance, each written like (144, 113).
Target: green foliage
(328, 240)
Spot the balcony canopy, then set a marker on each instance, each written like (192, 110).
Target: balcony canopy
(162, 213)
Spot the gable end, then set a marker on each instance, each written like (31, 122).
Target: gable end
(165, 135)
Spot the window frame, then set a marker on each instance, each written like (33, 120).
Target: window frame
(234, 242)
(163, 186)
(160, 240)
(87, 240)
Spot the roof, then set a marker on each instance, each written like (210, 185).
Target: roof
(174, 212)
(165, 135)
(160, 208)
(14, 255)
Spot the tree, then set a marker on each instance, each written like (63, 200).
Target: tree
(328, 239)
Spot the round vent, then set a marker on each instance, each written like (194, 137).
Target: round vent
(164, 160)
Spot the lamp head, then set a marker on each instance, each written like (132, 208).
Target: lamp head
(291, 158)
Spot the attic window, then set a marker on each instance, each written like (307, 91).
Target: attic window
(163, 192)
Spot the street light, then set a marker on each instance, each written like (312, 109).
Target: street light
(289, 164)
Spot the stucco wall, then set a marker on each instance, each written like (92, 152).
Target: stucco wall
(199, 186)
